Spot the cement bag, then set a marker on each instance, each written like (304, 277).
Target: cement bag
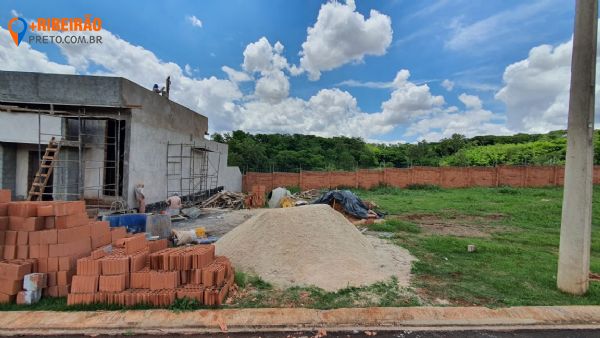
(181, 237)
(276, 195)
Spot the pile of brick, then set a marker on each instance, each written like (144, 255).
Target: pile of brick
(49, 237)
(142, 272)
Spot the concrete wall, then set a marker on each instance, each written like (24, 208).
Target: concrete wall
(45, 88)
(23, 127)
(231, 179)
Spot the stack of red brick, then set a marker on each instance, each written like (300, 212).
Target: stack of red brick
(142, 272)
(51, 235)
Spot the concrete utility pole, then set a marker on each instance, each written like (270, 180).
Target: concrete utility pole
(576, 225)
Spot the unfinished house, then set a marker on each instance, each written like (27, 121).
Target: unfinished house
(96, 137)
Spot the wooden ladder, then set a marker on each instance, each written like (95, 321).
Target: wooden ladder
(44, 171)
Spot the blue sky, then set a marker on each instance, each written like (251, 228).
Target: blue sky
(470, 44)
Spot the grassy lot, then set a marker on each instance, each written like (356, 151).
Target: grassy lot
(516, 232)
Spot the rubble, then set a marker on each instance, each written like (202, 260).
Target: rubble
(225, 199)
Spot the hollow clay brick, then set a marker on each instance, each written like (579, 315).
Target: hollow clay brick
(10, 287)
(4, 196)
(113, 283)
(84, 284)
(4, 220)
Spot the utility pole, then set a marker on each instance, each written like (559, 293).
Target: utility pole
(576, 223)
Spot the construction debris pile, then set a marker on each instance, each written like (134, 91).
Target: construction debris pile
(224, 199)
(304, 246)
(142, 272)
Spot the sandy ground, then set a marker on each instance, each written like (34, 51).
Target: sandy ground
(218, 222)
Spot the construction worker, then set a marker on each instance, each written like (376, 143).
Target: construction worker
(139, 196)
(174, 204)
(156, 89)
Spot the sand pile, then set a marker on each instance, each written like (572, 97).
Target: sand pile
(311, 245)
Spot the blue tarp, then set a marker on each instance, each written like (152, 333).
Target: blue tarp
(351, 203)
(133, 222)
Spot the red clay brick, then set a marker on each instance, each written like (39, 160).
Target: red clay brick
(114, 283)
(22, 209)
(33, 224)
(73, 234)
(4, 298)
(5, 196)
(22, 251)
(80, 298)
(135, 243)
(52, 264)
(45, 210)
(48, 236)
(137, 261)
(49, 222)
(64, 277)
(99, 228)
(10, 237)
(52, 278)
(117, 233)
(51, 290)
(22, 237)
(158, 245)
(3, 209)
(164, 280)
(88, 267)
(10, 252)
(15, 269)
(67, 263)
(10, 287)
(115, 265)
(140, 280)
(33, 237)
(4, 220)
(70, 221)
(84, 284)
(101, 252)
(101, 240)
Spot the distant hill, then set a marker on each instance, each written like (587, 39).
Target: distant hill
(283, 152)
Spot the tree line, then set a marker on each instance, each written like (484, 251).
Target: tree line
(285, 152)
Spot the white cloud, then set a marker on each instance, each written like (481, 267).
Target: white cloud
(448, 85)
(260, 56)
(536, 89)
(235, 75)
(342, 35)
(273, 86)
(474, 120)
(500, 27)
(194, 21)
(25, 58)
(408, 100)
(366, 84)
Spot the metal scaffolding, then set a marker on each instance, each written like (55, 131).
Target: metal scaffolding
(89, 164)
(190, 171)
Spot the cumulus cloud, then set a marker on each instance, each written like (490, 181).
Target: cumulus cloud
(235, 75)
(25, 58)
(473, 120)
(536, 89)
(342, 35)
(194, 21)
(448, 85)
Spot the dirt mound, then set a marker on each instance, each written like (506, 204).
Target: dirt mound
(311, 245)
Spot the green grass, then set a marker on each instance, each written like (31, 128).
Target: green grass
(515, 265)
(394, 225)
(385, 293)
